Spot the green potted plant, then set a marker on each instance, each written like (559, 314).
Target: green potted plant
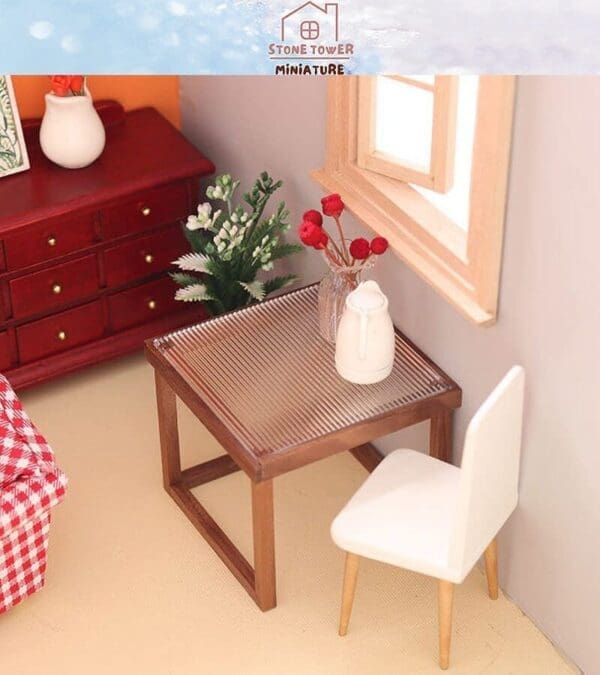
(232, 245)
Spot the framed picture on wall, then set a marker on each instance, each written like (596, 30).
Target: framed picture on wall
(13, 153)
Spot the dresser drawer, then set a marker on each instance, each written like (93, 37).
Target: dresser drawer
(60, 332)
(144, 256)
(54, 287)
(154, 207)
(5, 360)
(143, 303)
(48, 239)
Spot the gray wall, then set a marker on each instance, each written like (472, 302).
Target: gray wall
(549, 314)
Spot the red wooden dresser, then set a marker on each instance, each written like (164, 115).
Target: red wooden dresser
(84, 253)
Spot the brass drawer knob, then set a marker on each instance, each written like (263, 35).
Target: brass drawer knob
(146, 211)
(51, 241)
(61, 335)
(149, 258)
(57, 289)
(151, 304)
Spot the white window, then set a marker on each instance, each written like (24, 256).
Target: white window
(423, 161)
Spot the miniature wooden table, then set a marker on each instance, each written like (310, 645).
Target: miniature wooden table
(264, 383)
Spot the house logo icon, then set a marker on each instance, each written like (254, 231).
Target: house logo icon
(309, 42)
(310, 22)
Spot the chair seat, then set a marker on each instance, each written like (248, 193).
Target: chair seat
(403, 515)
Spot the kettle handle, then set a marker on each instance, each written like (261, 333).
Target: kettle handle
(362, 349)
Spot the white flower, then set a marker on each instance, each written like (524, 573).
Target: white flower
(256, 252)
(233, 231)
(235, 218)
(221, 247)
(265, 239)
(226, 225)
(204, 210)
(223, 233)
(217, 192)
(267, 266)
(217, 240)
(244, 217)
(210, 191)
(193, 223)
(204, 218)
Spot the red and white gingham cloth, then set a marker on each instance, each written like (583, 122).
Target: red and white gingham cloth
(30, 485)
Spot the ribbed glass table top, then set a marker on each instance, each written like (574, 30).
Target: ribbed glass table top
(269, 376)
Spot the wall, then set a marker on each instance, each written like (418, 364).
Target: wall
(549, 314)
(133, 91)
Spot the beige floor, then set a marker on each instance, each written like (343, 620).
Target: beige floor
(132, 588)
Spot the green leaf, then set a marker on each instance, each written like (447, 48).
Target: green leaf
(255, 288)
(283, 250)
(277, 283)
(192, 262)
(197, 239)
(183, 279)
(193, 293)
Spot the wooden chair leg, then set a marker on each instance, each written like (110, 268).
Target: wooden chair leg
(445, 597)
(491, 569)
(349, 587)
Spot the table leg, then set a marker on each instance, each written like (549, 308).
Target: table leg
(440, 435)
(169, 433)
(264, 544)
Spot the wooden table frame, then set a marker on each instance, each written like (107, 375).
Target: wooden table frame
(260, 581)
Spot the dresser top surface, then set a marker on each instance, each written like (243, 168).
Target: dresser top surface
(141, 152)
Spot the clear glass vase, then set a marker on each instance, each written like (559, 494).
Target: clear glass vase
(333, 291)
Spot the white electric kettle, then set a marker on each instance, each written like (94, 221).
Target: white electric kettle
(364, 349)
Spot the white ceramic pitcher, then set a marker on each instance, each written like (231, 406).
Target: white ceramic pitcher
(364, 350)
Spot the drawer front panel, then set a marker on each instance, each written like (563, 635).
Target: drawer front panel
(5, 360)
(60, 332)
(48, 240)
(144, 256)
(155, 207)
(54, 287)
(143, 303)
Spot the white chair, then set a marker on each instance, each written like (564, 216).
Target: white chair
(424, 515)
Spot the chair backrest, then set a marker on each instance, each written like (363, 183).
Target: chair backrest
(490, 470)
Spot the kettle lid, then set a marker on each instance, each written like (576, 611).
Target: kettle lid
(367, 297)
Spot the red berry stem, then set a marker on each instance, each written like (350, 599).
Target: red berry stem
(345, 257)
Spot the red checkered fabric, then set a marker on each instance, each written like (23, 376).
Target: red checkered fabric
(30, 485)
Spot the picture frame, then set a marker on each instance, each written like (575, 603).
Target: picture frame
(13, 151)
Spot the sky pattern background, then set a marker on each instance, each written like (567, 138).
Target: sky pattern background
(232, 36)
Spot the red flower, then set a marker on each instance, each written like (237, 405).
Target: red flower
(314, 217)
(332, 205)
(63, 84)
(379, 245)
(360, 249)
(77, 84)
(310, 234)
(324, 240)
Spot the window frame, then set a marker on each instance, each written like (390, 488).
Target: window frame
(310, 23)
(464, 267)
(441, 162)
